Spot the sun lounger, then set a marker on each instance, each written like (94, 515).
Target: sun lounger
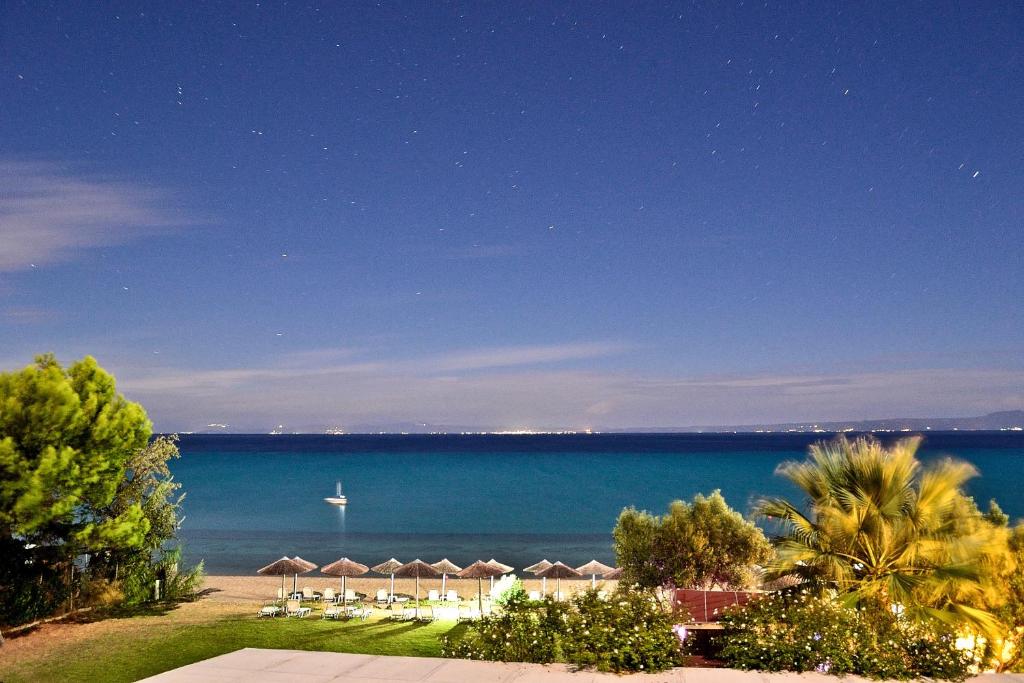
(433, 596)
(269, 611)
(534, 595)
(329, 595)
(310, 594)
(452, 596)
(350, 595)
(333, 612)
(401, 613)
(469, 612)
(294, 609)
(383, 598)
(361, 613)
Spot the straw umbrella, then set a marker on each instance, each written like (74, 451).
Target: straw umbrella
(344, 568)
(593, 568)
(478, 570)
(446, 567)
(388, 567)
(536, 569)
(613, 574)
(417, 568)
(505, 569)
(283, 568)
(559, 571)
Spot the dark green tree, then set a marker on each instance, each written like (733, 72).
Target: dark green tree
(695, 545)
(66, 438)
(149, 484)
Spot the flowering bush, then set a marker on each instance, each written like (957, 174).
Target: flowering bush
(630, 631)
(798, 631)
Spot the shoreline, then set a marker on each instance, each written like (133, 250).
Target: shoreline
(258, 588)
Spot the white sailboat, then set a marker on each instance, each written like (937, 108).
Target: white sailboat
(337, 499)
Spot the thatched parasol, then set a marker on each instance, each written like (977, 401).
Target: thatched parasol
(417, 568)
(505, 569)
(344, 568)
(559, 571)
(613, 574)
(284, 567)
(593, 568)
(446, 567)
(537, 568)
(388, 567)
(479, 570)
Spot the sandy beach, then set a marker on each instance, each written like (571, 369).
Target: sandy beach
(257, 589)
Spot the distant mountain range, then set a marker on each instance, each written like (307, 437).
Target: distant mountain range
(1007, 419)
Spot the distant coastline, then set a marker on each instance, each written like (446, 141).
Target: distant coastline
(1007, 420)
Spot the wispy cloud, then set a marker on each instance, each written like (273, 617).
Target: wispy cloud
(48, 213)
(27, 315)
(543, 387)
(512, 356)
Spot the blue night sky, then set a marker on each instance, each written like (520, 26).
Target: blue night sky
(518, 215)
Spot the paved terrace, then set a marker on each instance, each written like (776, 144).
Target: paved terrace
(288, 666)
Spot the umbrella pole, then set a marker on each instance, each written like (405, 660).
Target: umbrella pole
(392, 588)
(558, 588)
(417, 595)
(480, 594)
(543, 586)
(344, 593)
(593, 580)
(443, 578)
(282, 588)
(295, 583)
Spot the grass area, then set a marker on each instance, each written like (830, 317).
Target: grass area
(144, 646)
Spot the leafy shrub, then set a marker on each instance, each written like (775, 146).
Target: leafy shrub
(509, 589)
(630, 631)
(518, 633)
(798, 631)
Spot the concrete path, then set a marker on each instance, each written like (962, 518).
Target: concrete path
(292, 666)
(257, 666)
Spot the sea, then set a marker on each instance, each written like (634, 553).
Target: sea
(516, 498)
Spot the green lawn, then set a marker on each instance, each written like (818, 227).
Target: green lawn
(145, 647)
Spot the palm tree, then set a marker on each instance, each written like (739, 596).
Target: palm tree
(882, 528)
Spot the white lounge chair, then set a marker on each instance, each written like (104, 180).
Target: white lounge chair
(269, 611)
(295, 609)
(469, 612)
(310, 594)
(329, 595)
(433, 596)
(399, 612)
(333, 612)
(383, 597)
(534, 595)
(452, 596)
(350, 595)
(361, 613)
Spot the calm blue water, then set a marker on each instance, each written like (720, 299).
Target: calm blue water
(252, 498)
